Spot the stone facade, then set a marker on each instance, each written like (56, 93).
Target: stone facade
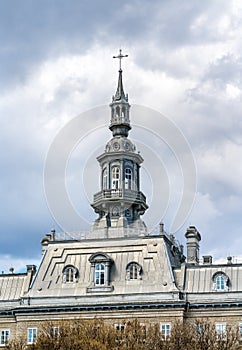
(120, 270)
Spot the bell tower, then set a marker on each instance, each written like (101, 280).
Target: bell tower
(120, 203)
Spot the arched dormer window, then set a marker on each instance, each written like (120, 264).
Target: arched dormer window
(70, 274)
(101, 265)
(115, 178)
(133, 271)
(128, 179)
(105, 179)
(220, 281)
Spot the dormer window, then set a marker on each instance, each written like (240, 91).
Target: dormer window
(70, 274)
(99, 274)
(133, 271)
(220, 281)
(101, 265)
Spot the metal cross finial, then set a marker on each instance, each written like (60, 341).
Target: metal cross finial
(120, 56)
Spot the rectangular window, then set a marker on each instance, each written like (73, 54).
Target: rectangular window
(240, 330)
(31, 335)
(165, 329)
(5, 334)
(119, 327)
(99, 274)
(220, 328)
(54, 331)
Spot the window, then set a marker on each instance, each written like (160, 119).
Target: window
(200, 329)
(70, 274)
(115, 178)
(99, 274)
(128, 179)
(220, 281)
(101, 265)
(123, 112)
(165, 329)
(220, 329)
(240, 330)
(119, 327)
(105, 179)
(133, 271)
(118, 111)
(5, 334)
(31, 335)
(54, 331)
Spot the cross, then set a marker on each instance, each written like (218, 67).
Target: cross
(120, 56)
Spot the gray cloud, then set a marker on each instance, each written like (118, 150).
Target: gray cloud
(184, 60)
(34, 31)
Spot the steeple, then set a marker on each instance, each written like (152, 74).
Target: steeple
(120, 95)
(120, 124)
(119, 203)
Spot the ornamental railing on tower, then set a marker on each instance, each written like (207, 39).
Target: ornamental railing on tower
(119, 193)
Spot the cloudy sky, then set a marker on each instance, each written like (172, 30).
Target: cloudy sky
(56, 63)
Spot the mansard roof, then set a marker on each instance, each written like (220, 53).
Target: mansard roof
(149, 252)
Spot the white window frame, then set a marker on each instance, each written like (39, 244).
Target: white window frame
(220, 282)
(31, 335)
(4, 336)
(70, 274)
(165, 329)
(105, 179)
(100, 278)
(55, 331)
(119, 327)
(133, 271)
(240, 330)
(221, 328)
(100, 274)
(128, 176)
(115, 177)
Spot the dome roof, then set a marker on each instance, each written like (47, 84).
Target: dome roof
(120, 144)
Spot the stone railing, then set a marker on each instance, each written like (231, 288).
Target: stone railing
(103, 233)
(123, 194)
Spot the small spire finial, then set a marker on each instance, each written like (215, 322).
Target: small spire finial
(120, 57)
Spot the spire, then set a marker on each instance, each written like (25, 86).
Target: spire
(120, 95)
(120, 124)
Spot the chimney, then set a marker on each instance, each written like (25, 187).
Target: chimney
(53, 234)
(207, 260)
(193, 238)
(161, 228)
(31, 269)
